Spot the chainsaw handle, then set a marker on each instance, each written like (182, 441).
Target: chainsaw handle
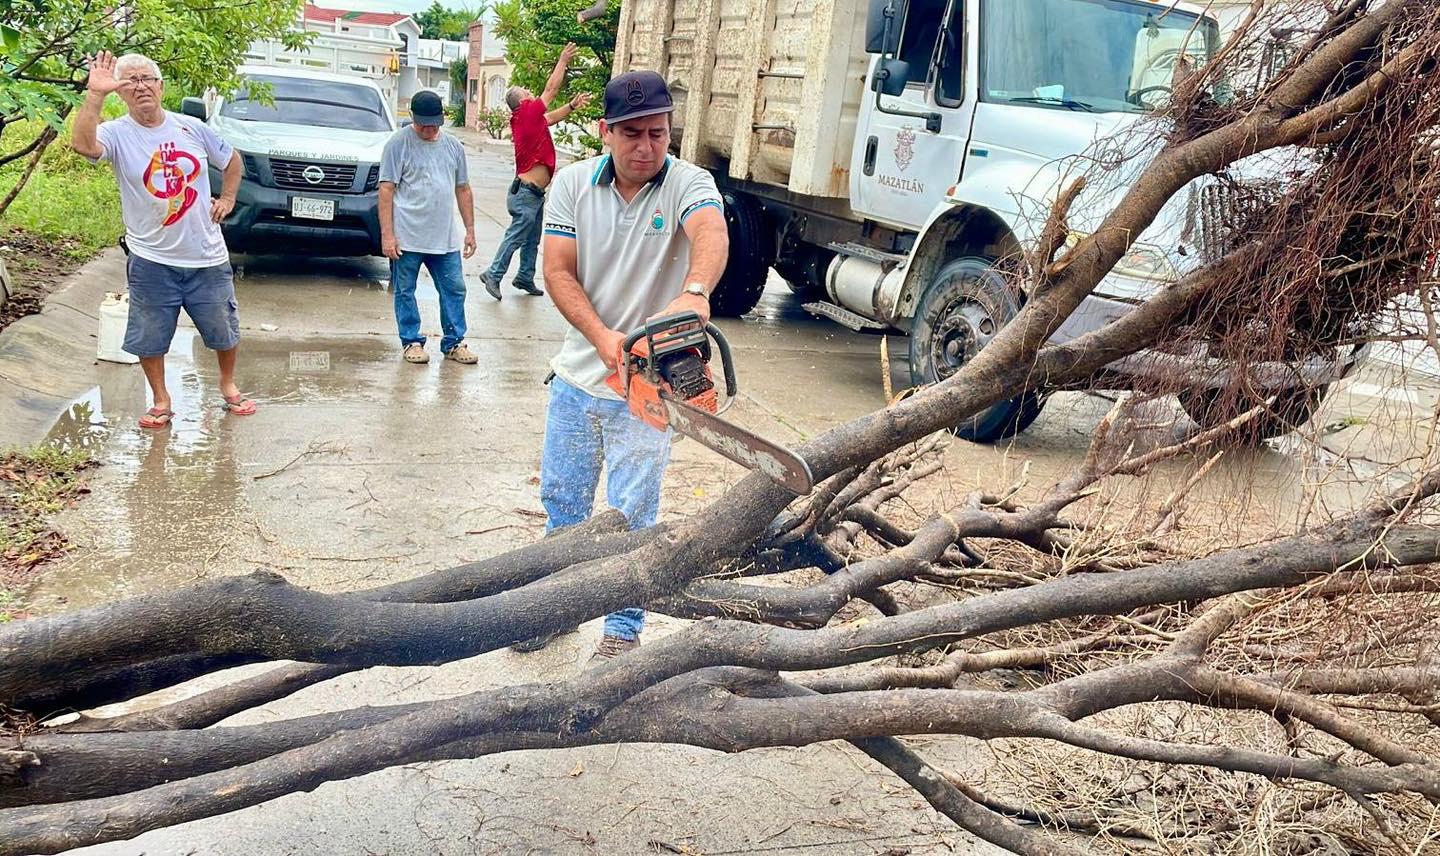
(727, 363)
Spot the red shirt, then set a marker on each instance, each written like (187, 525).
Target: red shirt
(531, 135)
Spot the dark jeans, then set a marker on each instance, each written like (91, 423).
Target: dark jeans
(526, 204)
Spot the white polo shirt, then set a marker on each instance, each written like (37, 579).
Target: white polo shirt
(632, 257)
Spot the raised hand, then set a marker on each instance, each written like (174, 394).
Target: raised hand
(568, 53)
(102, 80)
(579, 101)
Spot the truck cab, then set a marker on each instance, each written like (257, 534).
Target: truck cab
(893, 159)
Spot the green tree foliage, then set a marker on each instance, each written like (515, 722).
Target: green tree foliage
(440, 22)
(535, 31)
(44, 45)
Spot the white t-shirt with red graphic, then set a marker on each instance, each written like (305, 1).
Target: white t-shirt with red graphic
(164, 179)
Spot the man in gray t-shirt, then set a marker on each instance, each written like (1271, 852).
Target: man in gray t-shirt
(422, 166)
(628, 236)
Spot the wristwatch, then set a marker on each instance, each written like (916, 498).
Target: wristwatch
(697, 288)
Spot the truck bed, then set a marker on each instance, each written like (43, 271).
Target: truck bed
(766, 91)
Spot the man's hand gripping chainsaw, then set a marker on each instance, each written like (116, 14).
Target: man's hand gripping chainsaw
(664, 375)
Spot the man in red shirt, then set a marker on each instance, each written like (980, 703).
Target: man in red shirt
(530, 121)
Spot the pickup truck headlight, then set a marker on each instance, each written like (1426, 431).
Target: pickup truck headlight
(1141, 261)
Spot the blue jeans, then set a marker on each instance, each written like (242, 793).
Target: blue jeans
(526, 207)
(449, 281)
(583, 432)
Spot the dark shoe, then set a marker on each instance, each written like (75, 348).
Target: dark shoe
(491, 288)
(528, 288)
(530, 646)
(611, 647)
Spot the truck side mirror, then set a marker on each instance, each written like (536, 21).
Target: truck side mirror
(891, 76)
(882, 27)
(194, 107)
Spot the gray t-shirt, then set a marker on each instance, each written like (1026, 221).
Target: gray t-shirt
(631, 257)
(425, 174)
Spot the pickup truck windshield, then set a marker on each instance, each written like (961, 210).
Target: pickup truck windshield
(1099, 56)
(314, 103)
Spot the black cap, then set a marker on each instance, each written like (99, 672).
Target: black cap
(635, 94)
(427, 109)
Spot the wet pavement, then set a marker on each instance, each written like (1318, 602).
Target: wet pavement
(360, 469)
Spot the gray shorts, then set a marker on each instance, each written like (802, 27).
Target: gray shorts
(157, 294)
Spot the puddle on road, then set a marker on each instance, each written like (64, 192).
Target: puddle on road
(174, 506)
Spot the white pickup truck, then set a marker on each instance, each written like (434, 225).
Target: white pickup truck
(311, 152)
(885, 155)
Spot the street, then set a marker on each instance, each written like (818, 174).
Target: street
(360, 469)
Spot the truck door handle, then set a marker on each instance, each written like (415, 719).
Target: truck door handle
(870, 146)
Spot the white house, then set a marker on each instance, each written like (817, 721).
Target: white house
(383, 46)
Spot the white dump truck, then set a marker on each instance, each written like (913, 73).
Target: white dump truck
(884, 155)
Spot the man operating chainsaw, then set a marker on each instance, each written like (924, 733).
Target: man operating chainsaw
(628, 236)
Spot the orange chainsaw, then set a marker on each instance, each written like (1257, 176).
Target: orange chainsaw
(664, 375)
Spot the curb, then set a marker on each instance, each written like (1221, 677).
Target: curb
(47, 360)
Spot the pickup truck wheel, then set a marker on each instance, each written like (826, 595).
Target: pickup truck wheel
(962, 309)
(1292, 408)
(752, 251)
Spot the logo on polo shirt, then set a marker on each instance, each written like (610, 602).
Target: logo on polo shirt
(657, 220)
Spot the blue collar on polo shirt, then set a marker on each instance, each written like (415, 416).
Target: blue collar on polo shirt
(605, 172)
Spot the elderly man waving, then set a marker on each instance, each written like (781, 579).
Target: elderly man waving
(178, 257)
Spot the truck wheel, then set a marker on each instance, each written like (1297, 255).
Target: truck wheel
(962, 309)
(1210, 408)
(752, 251)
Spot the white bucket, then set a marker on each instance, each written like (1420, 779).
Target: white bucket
(114, 312)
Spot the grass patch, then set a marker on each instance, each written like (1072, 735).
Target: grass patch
(35, 484)
(68, 212)
(68, 199)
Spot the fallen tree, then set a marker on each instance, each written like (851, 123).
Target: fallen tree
(1103, 621)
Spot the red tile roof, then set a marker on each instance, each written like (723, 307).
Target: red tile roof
(375, 19)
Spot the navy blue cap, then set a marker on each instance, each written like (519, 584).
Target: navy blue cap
(426, 108)
(635, 94)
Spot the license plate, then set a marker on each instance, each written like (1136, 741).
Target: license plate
(312, 209)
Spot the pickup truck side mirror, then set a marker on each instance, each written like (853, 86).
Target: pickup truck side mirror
(890, 77)
(882, 27)
(194, 107)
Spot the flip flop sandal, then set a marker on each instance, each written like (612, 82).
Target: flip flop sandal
(240, 406)
(156, 418)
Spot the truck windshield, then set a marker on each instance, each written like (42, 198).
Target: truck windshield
(1101, 56)
(314, 103)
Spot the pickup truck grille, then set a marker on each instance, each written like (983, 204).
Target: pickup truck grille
(1222, 214)
(291, 175)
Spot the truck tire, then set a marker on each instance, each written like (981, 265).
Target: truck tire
(752, 251)
(961, 310)
(1210, 408)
